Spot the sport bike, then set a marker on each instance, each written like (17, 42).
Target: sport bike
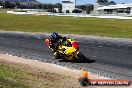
(68, 50)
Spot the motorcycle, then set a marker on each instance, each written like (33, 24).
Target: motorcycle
(68, 50)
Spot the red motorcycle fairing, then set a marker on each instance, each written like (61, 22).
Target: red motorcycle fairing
(74, 44)
(47, 42)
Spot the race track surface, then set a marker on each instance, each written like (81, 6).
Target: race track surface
(112, 59)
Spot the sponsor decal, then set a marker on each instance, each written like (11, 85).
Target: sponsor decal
(85, 81)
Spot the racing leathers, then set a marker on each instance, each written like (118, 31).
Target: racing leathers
(54, 45)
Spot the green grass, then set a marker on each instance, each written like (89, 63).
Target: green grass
(70, 25)
(12, 78)
(23, 76)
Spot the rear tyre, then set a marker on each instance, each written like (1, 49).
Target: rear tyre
(81, 57)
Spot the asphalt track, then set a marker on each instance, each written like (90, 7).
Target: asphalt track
(109, 58)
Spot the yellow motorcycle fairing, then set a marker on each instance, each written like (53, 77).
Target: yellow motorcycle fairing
(69, 51)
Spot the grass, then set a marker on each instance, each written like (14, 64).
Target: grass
(70, 25)
(11, 77)
(14, 75)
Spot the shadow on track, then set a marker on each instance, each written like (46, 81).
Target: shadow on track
(79, 61)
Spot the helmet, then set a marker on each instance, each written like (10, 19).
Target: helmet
(54, 35)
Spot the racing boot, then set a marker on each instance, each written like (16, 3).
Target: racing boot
(57, 55)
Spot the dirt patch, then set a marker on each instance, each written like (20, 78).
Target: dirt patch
(48, 75)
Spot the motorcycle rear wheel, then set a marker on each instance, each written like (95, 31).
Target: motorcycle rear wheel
(81, 57)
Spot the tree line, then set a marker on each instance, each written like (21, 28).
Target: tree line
(29, 5)
(48, 7)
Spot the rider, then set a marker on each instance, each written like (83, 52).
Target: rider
(54, 41)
